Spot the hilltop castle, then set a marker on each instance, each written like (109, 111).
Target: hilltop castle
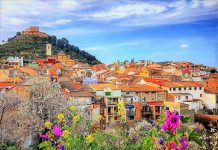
(33, 30)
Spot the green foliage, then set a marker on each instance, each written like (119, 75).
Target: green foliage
(6, 147)
(118, 138)
(31, 47)
(185, 119)
(196, 137)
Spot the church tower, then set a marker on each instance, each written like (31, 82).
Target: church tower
(48, 49)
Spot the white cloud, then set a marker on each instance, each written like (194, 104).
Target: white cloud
(87, 15)
(56, 22)
(127, 10)
(16, 21)
(184, 45)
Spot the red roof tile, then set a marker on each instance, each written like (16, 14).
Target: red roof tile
(6, 84)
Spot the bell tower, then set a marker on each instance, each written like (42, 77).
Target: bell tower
(48, 49)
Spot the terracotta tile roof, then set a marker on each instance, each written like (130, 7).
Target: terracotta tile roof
(210, 90)
(70, 85)
(139, 88)
(29, 71)
(183, 84)
(99, 87)
(207, 117)
(156, 103)
(6, 84)
(81, 94)
(156, 81)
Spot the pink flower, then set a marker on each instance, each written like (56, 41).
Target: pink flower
(167, 113)
(43, 136)
(57, 131)
(173, 145)
(172, 121)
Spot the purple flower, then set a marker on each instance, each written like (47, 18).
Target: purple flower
(60, 147)
(43, 136)
(161, 142)
(57, 131)
(183, 141)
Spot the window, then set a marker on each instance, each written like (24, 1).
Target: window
(190, 88)
(174, 89)
(152, 98)
(179, 89)
(195, 88)
(131, 100)
(158, 97)
(127, 92)
(178, 97)
(157, 108)
(167, 108)
(186, 97)
(130, 117)
(184, 88)
(170, 89)
(200, 88)
(136, 92)
(200, 95)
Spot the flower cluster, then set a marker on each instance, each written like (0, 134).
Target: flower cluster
(172, 121)
(63, 135)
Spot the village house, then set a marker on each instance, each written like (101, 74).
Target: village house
(186, 98)
(111, 95)
(151, 100)
(193, 88)
(181, 108)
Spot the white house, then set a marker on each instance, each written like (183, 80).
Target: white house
(193, 88)
(188, 99)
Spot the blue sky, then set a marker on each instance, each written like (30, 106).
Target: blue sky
(157, 30)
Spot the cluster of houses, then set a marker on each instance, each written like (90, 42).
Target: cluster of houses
(144, 87)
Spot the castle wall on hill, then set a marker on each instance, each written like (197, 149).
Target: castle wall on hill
(33, 30)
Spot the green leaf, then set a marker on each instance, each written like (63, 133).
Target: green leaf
(176, 139)
(169, 136)
(196, 137)
(153, 132)
(185, 119)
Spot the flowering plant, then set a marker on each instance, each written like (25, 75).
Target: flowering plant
(167, 135)
(171, 137)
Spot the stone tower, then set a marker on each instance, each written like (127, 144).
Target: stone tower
(48, 49)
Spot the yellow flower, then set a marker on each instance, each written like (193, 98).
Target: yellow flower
(66, 133)
(90, 138)
(60, 117)
(48, 124)
(99, 117)
(76, 118)
(73, 108)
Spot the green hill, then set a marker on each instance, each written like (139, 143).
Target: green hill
(32, 47)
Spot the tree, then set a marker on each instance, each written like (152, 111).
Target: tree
(18, 34)
(46, 101)
(10, 121)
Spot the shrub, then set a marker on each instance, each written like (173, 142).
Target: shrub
(62, 135)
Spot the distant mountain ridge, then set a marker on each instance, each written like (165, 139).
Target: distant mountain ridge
(32, 46)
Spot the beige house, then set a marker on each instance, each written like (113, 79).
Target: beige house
(181, 108)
